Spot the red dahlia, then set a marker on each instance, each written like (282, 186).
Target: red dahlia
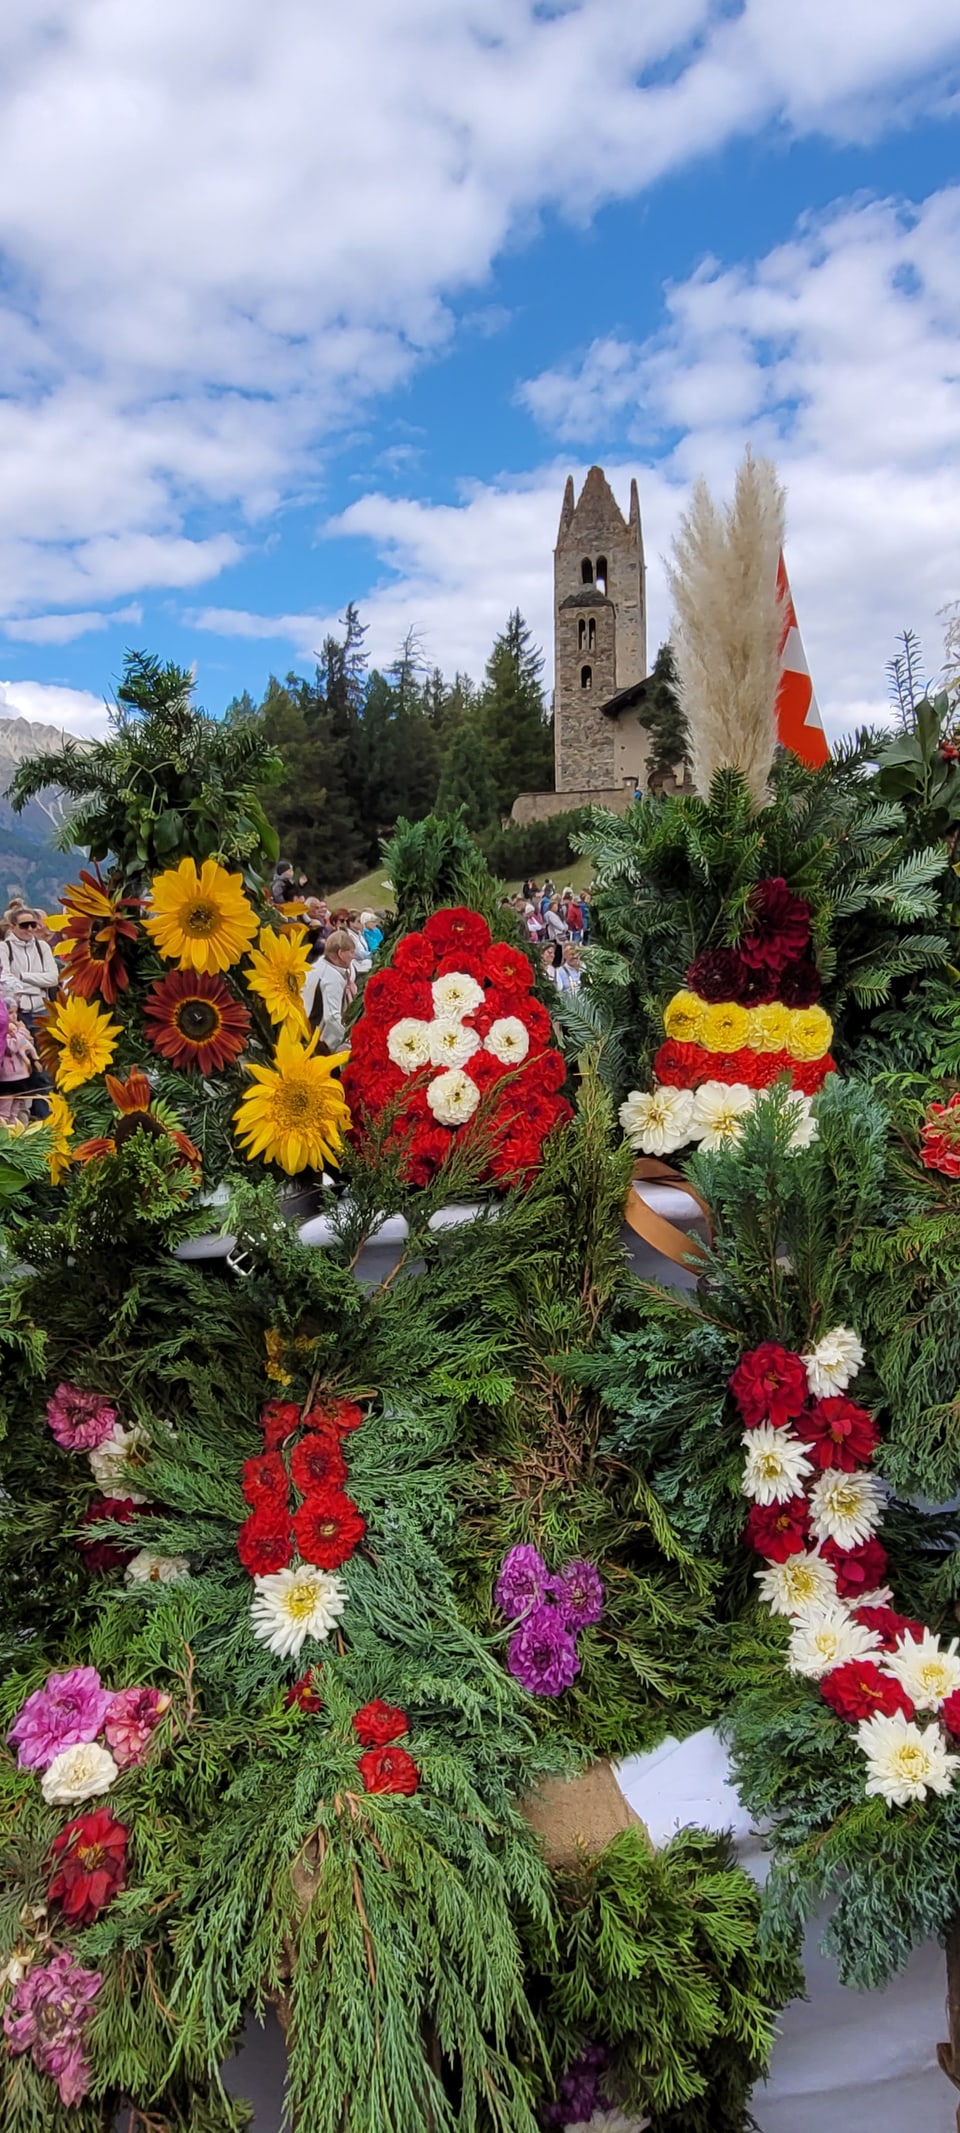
(388, 1770)
(890, 1626)
(264, 1480)
(859, 1570)
(769, 1385)
(91, 1861)
(303, 1693)
(457, 928)
(415, 956)
(317, 1462)
(329, 1528)
(859, 1690)
(507, 967)
(278, 1421)
(839, 1433)
(778, 1530)
(264, 1542)
(342, 1415)
(107, 1554)
(940, 1138)
(681, 1066)
(387, 995)
(780, 926)
(809, 1075)
(378, 1724)
(950, 1713)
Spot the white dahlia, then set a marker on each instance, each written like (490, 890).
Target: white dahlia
(719, 1109)
(927, 1669)
(408, 1044)
(113, 1461)
(146, 1568)
(508, 1039)
(905, 1761)
(833, 1362)
(78, 1773)
(453, 1097)
(456, 994)
(656, 1121)
(610, 2121)
(776, 1464)
(451, 1042)
(800, 1585)
(291, 1605)
(846, 1508)
(826, 1637)
(800, 1109)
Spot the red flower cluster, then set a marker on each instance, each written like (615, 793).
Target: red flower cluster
(769, 1385)
(519, 1103)
(838, 1433)
(890, 1626)
(325, 1525)
(858, 1690)
(684, 1066)
(940, 1137)
(90, 1856)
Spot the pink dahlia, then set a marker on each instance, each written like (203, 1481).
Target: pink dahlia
(47, 2015)
(80, 1421)
(70, 1709)
(130, 1721)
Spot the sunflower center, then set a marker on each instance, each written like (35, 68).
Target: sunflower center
(201, 919)
(138, 1122)
(302, 1601)
(292, 1103)
(78, 1048)
(197, 1021)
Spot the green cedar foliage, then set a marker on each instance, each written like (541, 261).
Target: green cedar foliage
(168, 783)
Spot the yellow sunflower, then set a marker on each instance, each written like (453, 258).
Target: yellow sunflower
(277, 968)
(60, 1123)
(296, 1113)
(87, 1040)
(683, 1016)
(200, 920)
(810, 1033)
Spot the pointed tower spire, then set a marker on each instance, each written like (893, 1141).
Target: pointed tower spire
(567, 508)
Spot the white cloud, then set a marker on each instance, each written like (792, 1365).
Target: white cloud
(73, 711)
(225, 226)
(64, 629)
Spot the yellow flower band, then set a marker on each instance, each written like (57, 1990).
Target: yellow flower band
(724, 1026)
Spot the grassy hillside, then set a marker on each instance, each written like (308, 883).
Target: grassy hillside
(372, 892)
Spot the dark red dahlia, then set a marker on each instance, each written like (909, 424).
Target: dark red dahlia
(799, 984)
(303, 1694)
(721, 974)
(379, 1723)
(388, 1770)
(265, 1541)
(328, 1528)
(769, 1385)
(859, 1690)
(317, 1462)
(778, 1530)
(107, 1554)
(839, 1433)
(91, 1861)
(264, 1480)
(779, 927)
(858, 1570)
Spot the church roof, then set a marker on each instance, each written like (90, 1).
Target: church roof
(588, 596)
(625, 700)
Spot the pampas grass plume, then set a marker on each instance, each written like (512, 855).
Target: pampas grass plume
(726, 632)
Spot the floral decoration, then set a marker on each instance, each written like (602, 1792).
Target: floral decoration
(90, 1858)
(200, 918)
(450, 1031)
(91, 941)
(548, 1611)
(191, 1018)
(47, 2015)
(85, 1040)
(303, 1526)
(388, 1770)
(940, 1137)
(296, 1113)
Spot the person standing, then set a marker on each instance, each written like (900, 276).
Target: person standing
(329, 987)
(28, 969)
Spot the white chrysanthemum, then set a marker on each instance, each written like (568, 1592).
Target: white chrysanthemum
(927, 1669)
(804, 1582)
(508, 1040)
(291, 1605)
(846, 1508)
(78, 1774)
(775, 1465)
(453, 1097)
(109, 1462)
(719, 1109)
(456, 994)
(451, 1042)
(804, 1132)
(408, 1044)
(608, 2122)
(833, 1362)
(146, 1568)
(905, 1761)
(656, 1121)
(827, 1637)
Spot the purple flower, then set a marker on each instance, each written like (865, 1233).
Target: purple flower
(580, 2092)
(80, 1421)
(522, 1581)
(542, 1655)
(579, 1593)
(47, 2015)
(70, 1709)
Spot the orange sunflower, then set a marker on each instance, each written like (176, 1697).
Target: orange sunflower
(89, 944)
(133, 1100)
(193, 1020)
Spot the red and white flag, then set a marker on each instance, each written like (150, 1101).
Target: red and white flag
(799, 724)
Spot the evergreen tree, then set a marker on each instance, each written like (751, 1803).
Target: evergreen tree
(467, 780)
(662, 715)
(514, 717)
(312, 809)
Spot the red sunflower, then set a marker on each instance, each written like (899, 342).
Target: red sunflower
(193, 1020)
(328, 1528)
(90, 942)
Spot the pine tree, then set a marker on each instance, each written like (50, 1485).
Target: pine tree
(662, 715)
(467, 780)
(513, 715)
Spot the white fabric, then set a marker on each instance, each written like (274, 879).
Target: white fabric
(331, 981)
(29, 972)
(845, 2062)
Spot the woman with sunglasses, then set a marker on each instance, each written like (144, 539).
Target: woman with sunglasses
(28, 970)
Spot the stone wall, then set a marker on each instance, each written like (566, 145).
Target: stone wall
(540, 806)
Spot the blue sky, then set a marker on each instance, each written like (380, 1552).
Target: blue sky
(299, 305)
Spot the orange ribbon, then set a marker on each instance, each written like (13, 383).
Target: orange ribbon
(655, 1230)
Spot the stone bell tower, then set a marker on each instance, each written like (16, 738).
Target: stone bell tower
(600, 630)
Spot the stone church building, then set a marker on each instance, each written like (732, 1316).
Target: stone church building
(600, 654)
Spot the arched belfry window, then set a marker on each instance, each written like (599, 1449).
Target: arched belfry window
(581, 634)
(586, 570)
(601, 573)
(586, 677)
(591, 635)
